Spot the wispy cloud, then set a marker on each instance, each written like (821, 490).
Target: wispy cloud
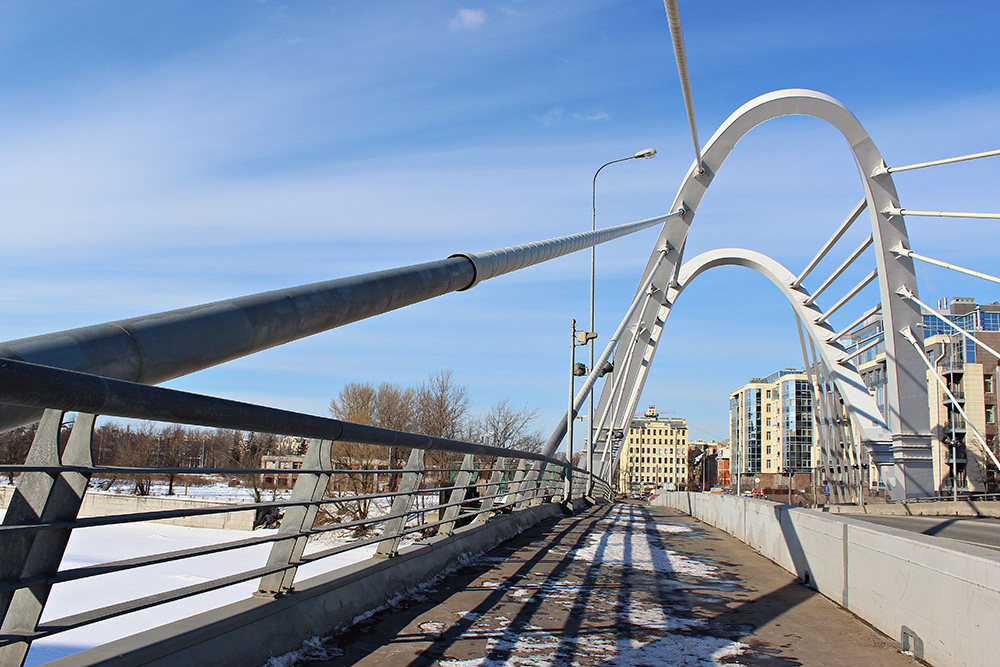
(551, 116)
(467, 19)
(599, 116)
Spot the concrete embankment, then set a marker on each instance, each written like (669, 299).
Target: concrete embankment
(940, 598)
(96, 503)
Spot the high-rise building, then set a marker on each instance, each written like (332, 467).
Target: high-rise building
(771, 426)
(654, 454)
(960, 463)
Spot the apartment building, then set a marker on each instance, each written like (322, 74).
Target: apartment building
(654, 454)
(771, 428)
(971, 375)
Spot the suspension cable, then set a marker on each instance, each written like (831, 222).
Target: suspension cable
(895, 210)
(677, 38)
(905, 252)
(844, 226)
(934, 163)
(847, 297)
(908, 335)
(840, 270)
(907, 294)
(850, 327)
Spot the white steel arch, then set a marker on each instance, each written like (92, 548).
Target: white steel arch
(906, 389)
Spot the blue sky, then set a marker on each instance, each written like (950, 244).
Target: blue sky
(161, 154)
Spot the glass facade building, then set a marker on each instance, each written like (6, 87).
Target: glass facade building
(771, 424)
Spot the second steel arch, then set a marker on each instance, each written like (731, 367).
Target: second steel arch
(906, 390)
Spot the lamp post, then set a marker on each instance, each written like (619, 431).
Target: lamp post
(648, 154)
(576, 370)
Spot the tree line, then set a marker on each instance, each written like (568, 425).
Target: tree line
(437, 407)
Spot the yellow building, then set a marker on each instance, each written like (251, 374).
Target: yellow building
(654, 454)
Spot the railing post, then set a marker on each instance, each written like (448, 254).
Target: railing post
(492, 490)
(41, 497)
(413, 475)
(530, 480)
(309, 487)
(517, 482)
(457, 495)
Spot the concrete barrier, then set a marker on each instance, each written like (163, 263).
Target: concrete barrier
(98, 503)
(251, 631)
(967, 508)
(940, 598)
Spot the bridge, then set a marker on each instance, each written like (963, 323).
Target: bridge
(492, 494)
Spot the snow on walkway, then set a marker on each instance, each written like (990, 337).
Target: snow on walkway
(623, 546)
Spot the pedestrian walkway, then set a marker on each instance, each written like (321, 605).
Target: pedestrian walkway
(622, 584)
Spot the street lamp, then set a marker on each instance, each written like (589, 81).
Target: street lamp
(648, 154)
(576, 370)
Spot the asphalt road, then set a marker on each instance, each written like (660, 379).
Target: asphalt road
(983, 532)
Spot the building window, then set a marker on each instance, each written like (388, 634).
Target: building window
(991, 414)
(988, 384)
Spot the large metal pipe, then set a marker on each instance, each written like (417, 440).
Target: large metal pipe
(154, 348)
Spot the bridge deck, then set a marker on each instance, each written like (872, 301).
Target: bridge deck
(624, 584)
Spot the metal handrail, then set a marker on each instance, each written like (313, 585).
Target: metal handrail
(134, 400)
(550, 487)
(114, 365)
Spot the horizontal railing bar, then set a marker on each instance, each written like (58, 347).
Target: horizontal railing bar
(135, 470)
(136, 517)
(155, 559)
(33, 385)
(111, 611)
(118, 519)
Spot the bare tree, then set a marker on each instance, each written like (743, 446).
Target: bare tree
(14, 446)
(171, 445)
(507, 426)
(134, 448)
(358, 403)
(441, 406)
(441, 410)
(355, 403)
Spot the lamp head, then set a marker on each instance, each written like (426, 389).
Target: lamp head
(648, 153)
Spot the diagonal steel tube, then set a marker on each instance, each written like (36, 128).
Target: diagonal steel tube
(154, 348)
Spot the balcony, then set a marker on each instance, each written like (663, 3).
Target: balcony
(956, 425)
(952, 366)
(958, 394)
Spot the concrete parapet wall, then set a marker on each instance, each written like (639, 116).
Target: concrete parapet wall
(968, 508)
(253, 630)
(940, 598)
(96, 503)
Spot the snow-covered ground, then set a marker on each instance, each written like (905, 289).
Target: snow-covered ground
(209, 487)
(90, 546)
